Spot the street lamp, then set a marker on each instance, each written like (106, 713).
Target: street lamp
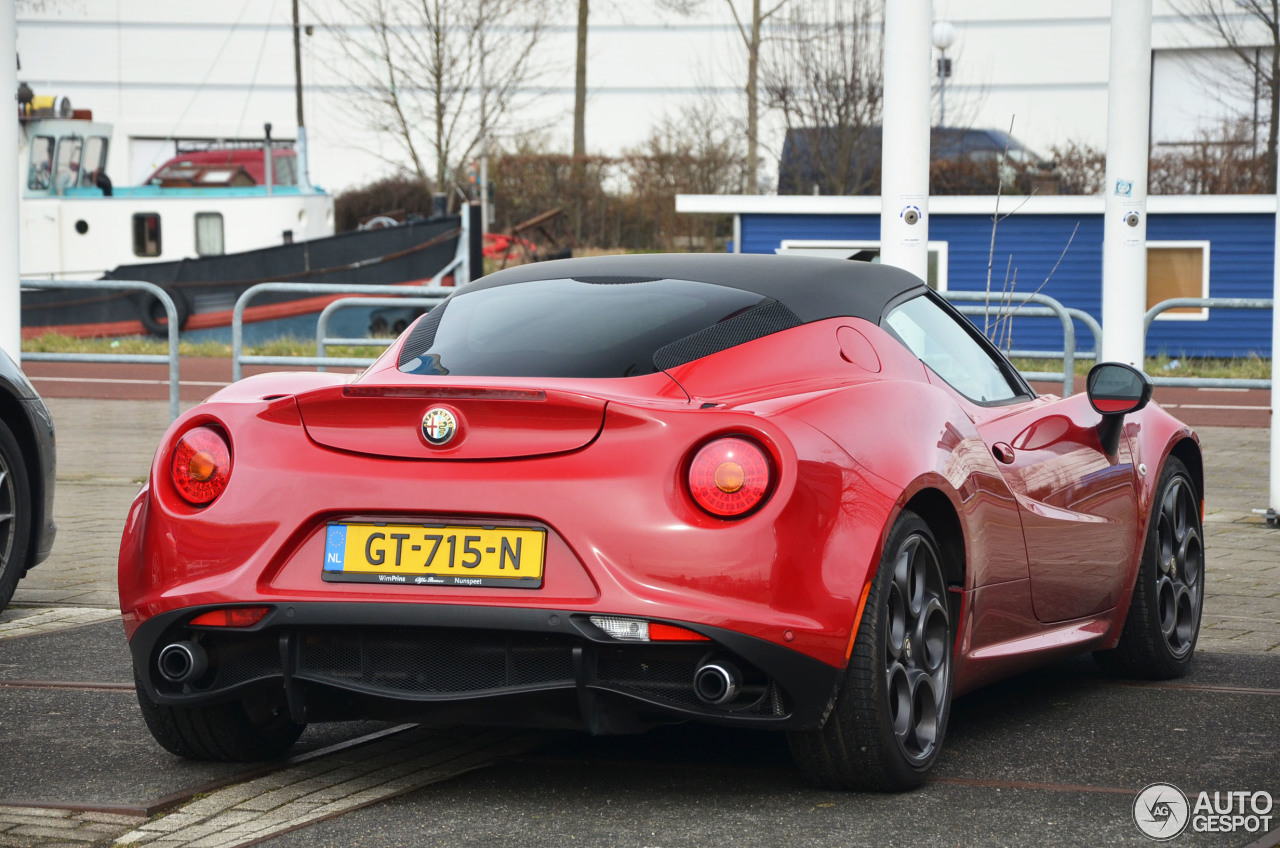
(944, 35)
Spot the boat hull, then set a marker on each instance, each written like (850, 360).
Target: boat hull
(205, 289)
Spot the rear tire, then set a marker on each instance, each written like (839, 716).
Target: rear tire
(1163, 624)
(250, 730)
(15, 514)
(890, 715)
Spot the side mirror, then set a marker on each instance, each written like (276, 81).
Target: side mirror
(1115, 390)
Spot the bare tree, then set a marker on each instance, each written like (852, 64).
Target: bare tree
(580, 85)
(680, 7)
(827, 82)
(1250, 30)
(439, 76)
(752, 32)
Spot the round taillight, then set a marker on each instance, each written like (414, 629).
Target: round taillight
(201, 465)
(729, 477)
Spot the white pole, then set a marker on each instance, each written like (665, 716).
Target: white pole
(904, 181)
(10, 292)
(1273, 504)
(1124, 232)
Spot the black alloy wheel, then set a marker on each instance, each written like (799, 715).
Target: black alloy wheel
(891, 711)
(1163, 623)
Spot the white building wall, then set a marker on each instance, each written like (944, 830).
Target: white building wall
(160, 69)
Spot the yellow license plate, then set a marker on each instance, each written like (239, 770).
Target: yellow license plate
(427, 555)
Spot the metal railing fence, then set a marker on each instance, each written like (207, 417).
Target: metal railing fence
(323, 340)
(239, 359)
(1212, 303)
(142, 358)
(1007, 306)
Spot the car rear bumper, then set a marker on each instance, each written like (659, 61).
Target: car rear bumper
(529, 667)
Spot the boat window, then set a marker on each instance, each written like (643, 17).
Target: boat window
(209, 234)
(41, 163)
(95, 160)
(67, 170)
(285, 170)
(146, 234)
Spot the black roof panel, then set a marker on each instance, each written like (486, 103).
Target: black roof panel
(811, 287)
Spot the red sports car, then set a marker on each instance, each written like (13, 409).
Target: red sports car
(775, 492)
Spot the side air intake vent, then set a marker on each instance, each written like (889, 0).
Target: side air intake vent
(767, 318)
(422, 337)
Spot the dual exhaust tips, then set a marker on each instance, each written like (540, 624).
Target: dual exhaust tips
(716, 682)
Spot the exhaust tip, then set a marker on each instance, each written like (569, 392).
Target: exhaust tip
(182, 661)
(716, 683)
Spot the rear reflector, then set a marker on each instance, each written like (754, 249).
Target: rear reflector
(639, 630)
(443, 393)
(235, 617)
(659, 632)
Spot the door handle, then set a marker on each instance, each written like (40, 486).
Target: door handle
(1003, 452)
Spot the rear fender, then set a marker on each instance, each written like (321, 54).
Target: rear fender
(929, 445)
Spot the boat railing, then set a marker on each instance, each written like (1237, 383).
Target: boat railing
(400, 296)
(138, 358)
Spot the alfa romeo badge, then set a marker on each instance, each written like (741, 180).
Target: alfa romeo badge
(439, 426)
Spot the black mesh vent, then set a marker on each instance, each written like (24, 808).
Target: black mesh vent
(422, 337)
(661, 678)
(246, 661)
(615, 281)
(763, 320)
(436, 662)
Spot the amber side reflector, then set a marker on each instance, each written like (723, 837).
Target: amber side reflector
(659, 632)
(443, 393)
(235, 617)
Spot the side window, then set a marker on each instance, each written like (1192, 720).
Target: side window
(286, 170)
(94, 161)
(951, 351)
(67, 170)
(41, 163)
(209, 234)
(146, 234)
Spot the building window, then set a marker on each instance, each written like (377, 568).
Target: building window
(1178, 269)
(209, 234)
(146, 234)
(868, 251)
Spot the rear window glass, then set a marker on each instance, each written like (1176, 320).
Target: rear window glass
(568, 328)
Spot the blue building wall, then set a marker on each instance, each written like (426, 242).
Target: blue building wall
(1240, 265)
